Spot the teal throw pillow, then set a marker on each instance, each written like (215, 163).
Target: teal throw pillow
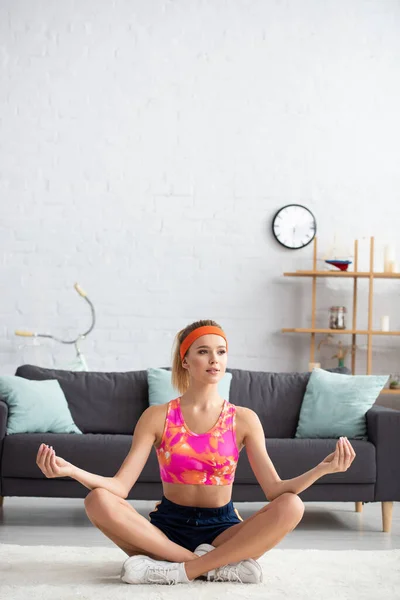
(334, 405)
(35, 406)
(161, 390)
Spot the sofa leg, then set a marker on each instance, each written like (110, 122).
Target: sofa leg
(359, 506)
(387, 512)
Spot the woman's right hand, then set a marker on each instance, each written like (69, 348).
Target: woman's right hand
(52, 465)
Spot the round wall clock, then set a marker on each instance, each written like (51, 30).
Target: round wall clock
(294, 226)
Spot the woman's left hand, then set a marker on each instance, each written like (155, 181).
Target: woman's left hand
(341, 459)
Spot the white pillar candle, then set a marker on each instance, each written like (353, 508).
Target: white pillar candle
(385, 323)
(389, 258)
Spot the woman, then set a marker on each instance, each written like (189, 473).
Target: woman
(195, 531)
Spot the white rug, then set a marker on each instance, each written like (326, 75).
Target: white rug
(66, 573)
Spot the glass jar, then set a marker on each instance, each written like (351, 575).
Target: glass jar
(337, 317)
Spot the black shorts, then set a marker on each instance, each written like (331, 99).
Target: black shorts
(190, 526)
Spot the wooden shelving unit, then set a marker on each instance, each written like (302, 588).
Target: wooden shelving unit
(355, 275)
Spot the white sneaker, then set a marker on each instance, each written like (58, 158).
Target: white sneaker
(143, 569)
(244, 571)
(203, 549)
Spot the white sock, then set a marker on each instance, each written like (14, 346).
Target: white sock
(183, 578)
(211, 573)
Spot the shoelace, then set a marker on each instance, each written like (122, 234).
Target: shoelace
(160, 575)
(227, 573)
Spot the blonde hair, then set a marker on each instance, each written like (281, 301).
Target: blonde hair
(180, 377)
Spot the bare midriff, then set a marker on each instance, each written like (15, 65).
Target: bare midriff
(205, 496)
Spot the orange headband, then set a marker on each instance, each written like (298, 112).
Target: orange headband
(188, 341)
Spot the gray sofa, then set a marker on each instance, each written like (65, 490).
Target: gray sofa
(107, 406)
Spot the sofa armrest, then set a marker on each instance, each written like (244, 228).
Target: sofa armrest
(383, 427)
(3, 419)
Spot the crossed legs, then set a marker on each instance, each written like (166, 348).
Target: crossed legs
(134, 534)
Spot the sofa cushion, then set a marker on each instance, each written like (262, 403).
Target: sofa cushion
(99, 402)
(103, 454)
(336, 404)
(293, 457)
(35, 406)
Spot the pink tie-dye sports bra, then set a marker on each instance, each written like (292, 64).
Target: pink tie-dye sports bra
(198, 458)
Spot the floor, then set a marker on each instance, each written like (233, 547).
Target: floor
(326, 526)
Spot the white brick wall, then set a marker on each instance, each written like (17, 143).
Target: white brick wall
(145, 147)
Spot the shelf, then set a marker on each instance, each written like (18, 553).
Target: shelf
(319, 270)
(338, 331)
(349, 275)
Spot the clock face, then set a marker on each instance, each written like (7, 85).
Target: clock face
(294, 226)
